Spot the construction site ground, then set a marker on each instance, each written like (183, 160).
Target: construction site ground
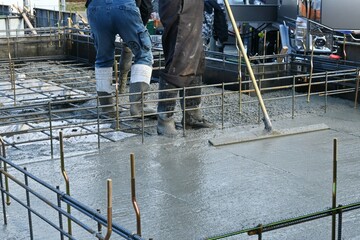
(187, 188)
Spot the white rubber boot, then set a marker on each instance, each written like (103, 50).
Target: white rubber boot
(103, 77)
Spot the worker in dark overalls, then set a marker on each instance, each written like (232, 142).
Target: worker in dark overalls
(184, 63)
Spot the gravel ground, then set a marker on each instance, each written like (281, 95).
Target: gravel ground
(279, 104)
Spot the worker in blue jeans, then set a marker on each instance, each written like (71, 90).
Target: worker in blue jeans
(107, 18)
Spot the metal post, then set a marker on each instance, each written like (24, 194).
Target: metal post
(133, 194)
(333, 229)
(267, 122)
(29, 206)
(67, 181)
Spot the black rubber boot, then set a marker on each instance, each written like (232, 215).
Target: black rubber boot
(193, 116)
(136, 107)
(106, 102)
(166, 106)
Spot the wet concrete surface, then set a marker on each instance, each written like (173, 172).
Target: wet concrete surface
(189, 189)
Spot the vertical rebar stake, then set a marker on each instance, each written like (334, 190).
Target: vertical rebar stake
(28, 204)
(51, 132)
(117, 125)
(344, 47)
(142, 117)
(67, 182)
(326, 90)
(184, 112)
(109, 209)
(12, 74)
(99, 226)
(133, 194)
(222, 104)
(60, 215)
(98, 120)
(8, 201)
(2, 151)
(340, 223)
(333, 229)
(2, 195)
(293, 98)
(357, 87)
(239, 76)
(260, 231)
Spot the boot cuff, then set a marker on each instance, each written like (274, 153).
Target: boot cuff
(140, 73)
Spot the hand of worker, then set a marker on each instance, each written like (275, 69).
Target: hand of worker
(155, 16)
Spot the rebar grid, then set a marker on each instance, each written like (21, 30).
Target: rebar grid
(45, 104)
(42, 95)
(57, 212)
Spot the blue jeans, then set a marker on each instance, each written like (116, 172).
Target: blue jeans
(110, 17)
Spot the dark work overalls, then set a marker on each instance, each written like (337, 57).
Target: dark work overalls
(184, 59)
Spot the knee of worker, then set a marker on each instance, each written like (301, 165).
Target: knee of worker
(142, 49)
(193, 90)
(194, 86)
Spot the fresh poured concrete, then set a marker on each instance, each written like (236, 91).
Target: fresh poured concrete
(189, 189)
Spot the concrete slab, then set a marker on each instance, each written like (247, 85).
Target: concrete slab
(189, 189)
